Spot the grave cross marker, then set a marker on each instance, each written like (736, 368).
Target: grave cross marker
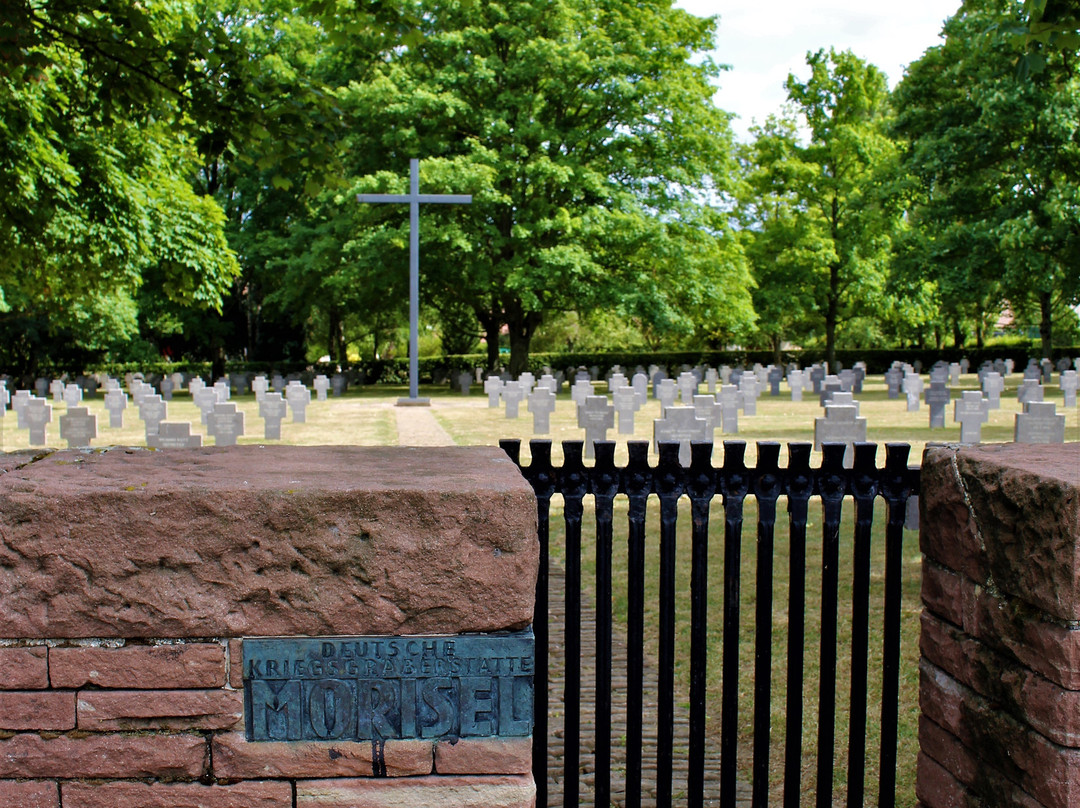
(414, 198)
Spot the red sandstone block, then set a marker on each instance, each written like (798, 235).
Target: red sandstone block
(948, 533)
(24, 668)
(177, 795)
(195, 665)
(419, 792)
(37, 710)
(947, 751)
(946, 593)
(484, 756)
(1048, 772)
(1038, 643)
(1031, 699)
(236, 663)
(29, 794)
(936, 788)
(103, 756)
(101, 710)
(235, 758)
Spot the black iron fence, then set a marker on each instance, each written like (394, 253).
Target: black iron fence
(665, 484)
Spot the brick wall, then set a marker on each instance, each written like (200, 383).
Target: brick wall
(1000, 642)
(162, 546)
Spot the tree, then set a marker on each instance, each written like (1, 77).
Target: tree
(996, 201)
(586, 134)
(820, 218)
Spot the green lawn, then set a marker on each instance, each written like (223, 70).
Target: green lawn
(367, 417)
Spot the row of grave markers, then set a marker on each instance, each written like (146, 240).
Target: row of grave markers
(223, 421)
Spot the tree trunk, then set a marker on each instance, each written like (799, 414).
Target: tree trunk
(522, 325)
(490, 322)
(776, 343)
(979, 332)
(957, 334)
(333, 336)
(1046, 326)
(832, 316)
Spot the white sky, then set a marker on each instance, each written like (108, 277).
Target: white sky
(765, 40)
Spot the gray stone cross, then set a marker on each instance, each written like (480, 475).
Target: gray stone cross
(626, 404)
(272, 409)
(414, 199)
(596, 417)
(1069, 380)
(971, 411)
(992, 385)
(153, 411)
(38, 413)
(680, 424)
(513, 393)
(225, 424)
(321, 385)
(1040, 423)
(298, 397)
(937, 399)
(541, 405)
(174, 435)
(78, 427)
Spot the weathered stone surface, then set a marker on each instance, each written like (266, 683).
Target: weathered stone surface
(183, 665)
(1048, 708)
(1027, 505)
(177, 795)
(29, 794)
(288, 540)
(118, 710)
(37, 709)
(235, 758)
(104, 756)
(484, 756)
(423, 792)
(960, 782)
(24, 668)
(946, 593)
(947, 531)
(236, 663)
(1048, 772)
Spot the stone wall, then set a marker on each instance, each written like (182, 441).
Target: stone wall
(1000, 666)
(129, 577)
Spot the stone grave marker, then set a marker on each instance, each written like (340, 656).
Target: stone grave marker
(845, 400)
(278, 383)
(1010, 366)
(708, 409)
(725, 374)
(205, 398)
(1032, 371)
(954, 373)
(847, 380)
(687, 384)
(322, 387)
(527, 382)
(174, 435)
(917, 366)
(581, 390)
(1040, 423)
(18, 406)
(298, 398)
(841, 424)
(224, 392)
(817, 376)
(626, 404)
(711, 380)
(272, 409)
(775, 376)
(139, 391)
(680, 424)
(640, 383)
(1030, 390)
(893, 377)
(41, 387)
(115, 403)
(965, 365)
(72, 395)
(730, 400)
(750, 389)
(153, 411)
(1047, 368)
(541, 404)
(993, 384)
(937, 398)
(830, 385)
(860, 376)
(549, 382)
(617, 380)
(939, 374)
(225, 424)
(37, 414)
(596, 416)
(56, 388)
(971, 411)
(5, 397)
(493, 386)
(78, 427)
(796, 380)
(177, 381)
(913, 387)
(338, 384)
(259, 386)
(513, 393)
(195, 384)
(464, 382)
(666, 393)
(761, 373)
(166, 388)
(594, 373)
(657, 379)
(1068, 386)
(239, 382)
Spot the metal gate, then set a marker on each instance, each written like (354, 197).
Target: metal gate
(646, 486)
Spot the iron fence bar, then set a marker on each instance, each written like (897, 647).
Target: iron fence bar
(735, 484)
(898, 483)
(637, 484)
(864, 491)
(831, 487)
(766, 489)
(800, 487)
(701, 486)
(573, 481)
(605, 485)
(669, 487)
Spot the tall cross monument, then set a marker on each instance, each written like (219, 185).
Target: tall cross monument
(415, 198)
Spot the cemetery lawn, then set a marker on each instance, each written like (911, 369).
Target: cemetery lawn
(368, 417)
